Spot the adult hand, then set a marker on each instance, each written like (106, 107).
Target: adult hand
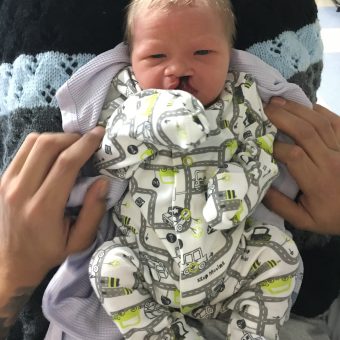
(314, 162)
(35, 233)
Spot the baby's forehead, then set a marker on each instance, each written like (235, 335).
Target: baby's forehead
(168, 5)
(143, 8)
(174, 8)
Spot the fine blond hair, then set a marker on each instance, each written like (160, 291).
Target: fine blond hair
(224, 7)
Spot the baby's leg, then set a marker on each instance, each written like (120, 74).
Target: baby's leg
(118, 279)
(265, 273)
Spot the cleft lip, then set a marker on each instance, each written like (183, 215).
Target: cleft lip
(173, 85)
(184, 85)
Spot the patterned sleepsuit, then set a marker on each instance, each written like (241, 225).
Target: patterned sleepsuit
(185, 244)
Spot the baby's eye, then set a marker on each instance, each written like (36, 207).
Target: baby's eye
(202, 52)
(157, 56)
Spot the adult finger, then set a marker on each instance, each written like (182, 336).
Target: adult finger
(299, 130)
(289, 210)
(299, 164)
(319, 122)
(20, 158)
(61, 178)
(83, 231)
(319, 117)
(42, 156)
(333, 118)
(325, 112)
(304, 133)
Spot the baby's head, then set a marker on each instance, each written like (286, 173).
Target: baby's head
(223, 7)
(181, 44)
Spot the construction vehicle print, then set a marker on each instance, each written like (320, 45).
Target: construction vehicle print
(197, 229)
(165, 334)
(187, 161)
(203, 312)
(248, 336)
(167, 175)
(249, 81)
(250, 117)
(120, 173)
(227, 200)
(260, 268)
(182, 134)
(176, 217)
(152, 99)
(126, 228)
(238, 95)
(257, 264)
(223, 123)
(157, 268)
(194, 261)
(218, 288)
(238, 217)
(261, 234)
(179, 330)
(177, 256)
(129, 318)
(232, 146)
(177, 297)
(277, 286)
(165, 300)
(148, 153)
(153, 310)
(144, 130)
(110, 287)
(110, 282)
(130, 87)
(238, 90)
(187, 309)
(266, 143)
(200, 181)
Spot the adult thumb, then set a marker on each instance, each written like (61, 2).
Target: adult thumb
(83, 230)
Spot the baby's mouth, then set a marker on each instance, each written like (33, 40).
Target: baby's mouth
(185, 86)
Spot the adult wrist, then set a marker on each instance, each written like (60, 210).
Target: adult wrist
(12, 300)
(14, 280)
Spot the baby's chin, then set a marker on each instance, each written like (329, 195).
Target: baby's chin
(205, 100)
(208, 102)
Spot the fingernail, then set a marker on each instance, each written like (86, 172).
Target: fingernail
(103, 188)
(278, 101)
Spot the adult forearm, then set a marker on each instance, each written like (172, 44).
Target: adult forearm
(12, 300)
(35, 235)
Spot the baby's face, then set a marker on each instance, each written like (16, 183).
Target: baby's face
(181, 48)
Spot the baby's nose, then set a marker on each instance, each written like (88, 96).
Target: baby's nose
(179, 68)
